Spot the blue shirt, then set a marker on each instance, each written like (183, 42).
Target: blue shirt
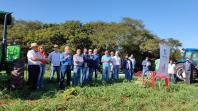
(106, 58)
(146, 64)
(54, 58)
(65, 61)
(96, 60)
(85, 58)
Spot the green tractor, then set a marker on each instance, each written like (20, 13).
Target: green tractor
(10, 55)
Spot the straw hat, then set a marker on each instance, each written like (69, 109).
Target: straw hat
(33, 45)
(55, 46)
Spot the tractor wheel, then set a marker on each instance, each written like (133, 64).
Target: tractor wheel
(17, 74)
(180, 71)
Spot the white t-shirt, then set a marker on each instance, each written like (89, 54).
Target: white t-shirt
(54, 57)
(32, 53)
(116, 60)
(171, 68)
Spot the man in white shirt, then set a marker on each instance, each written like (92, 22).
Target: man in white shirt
(34, 59)
(132, 58)
(54, 58)
(116, 60)
(78, 68)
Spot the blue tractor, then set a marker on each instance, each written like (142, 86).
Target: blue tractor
(192, 54)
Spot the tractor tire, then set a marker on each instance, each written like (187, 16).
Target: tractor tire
(17, 74)
(180, 73)
(189, 77)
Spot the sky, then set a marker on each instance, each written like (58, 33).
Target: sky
(165, 18)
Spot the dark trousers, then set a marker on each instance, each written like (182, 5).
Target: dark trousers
(128, 74)
(189, 78)
(53, 70)
(65, 69)
(33, 71)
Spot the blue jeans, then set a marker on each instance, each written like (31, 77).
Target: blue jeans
(41, 76)
(105, 73)
(95, 70)
(116, 70)
(53, 70)
(144, 71)
(128, 74)
(86, 74)
(78, 75)
(65, 69)
(90, 75)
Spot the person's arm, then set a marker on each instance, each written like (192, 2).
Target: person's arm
(143, 64)
(75, 59)
(102, 60)
(111, 60)
(62, 58)
(32, 57)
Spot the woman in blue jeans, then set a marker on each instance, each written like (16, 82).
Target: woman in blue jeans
(42, 67)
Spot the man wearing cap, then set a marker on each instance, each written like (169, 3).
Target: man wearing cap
(188, 67)
(34, 59)
(66, 62)
(54, 58)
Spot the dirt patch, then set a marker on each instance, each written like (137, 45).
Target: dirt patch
(2, 103)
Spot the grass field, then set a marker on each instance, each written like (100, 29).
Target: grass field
(119, 96)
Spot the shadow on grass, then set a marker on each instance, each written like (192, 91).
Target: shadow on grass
(50, 89)
(25, 93)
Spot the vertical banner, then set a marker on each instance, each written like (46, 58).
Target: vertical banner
(164, 59)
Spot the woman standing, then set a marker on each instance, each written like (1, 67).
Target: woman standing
(42, 67)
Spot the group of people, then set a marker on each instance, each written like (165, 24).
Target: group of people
(84, 65)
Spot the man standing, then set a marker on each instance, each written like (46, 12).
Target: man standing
(117, 65)
(106, 60)
(132, 58)
(145, 66)
(66, 62)
(54, 58)
(90, 64)
(85, 66)
(188, 68)
(34, 59)
(96, 63)
(78, 66)
(127, 64)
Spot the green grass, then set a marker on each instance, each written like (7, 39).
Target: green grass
(119, 96)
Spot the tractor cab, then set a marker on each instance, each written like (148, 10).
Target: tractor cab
(192, 54)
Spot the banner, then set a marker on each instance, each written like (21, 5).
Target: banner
(164, 59)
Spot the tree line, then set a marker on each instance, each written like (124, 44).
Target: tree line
(129, 36)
